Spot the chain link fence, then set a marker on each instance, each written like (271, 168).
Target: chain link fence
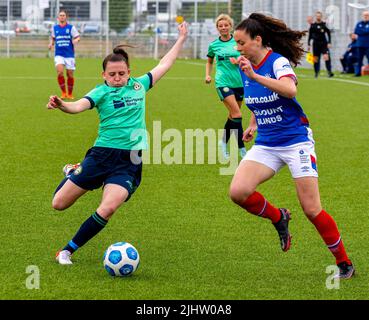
(151, 26)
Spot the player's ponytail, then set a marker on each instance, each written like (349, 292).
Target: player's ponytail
(276, 35)
(119, 54)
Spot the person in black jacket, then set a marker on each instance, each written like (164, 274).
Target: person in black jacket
(321, 37)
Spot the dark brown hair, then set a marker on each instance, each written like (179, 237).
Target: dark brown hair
(65, 11)
(275, 34)
(119, 54)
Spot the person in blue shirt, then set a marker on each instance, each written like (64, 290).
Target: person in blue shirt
(349, 57)
(64, 36)
(362, 43)
(267, 48)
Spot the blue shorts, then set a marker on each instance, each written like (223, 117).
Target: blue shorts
(224, 92)
(102, 166)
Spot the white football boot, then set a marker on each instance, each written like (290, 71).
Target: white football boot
(223, 147)
(64, 257)
(68, 167)
(242, 152)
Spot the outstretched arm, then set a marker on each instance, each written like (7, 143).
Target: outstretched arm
(68, 107)
(168, 60)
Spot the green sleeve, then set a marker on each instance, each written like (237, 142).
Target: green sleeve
(94, 96)
(211, 53)
(146, 81)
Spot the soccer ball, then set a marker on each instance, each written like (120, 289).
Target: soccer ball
(121, 259)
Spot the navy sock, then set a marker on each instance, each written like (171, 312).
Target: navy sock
(238, 131)
(227, 130)
(90, 228)
(328, 65)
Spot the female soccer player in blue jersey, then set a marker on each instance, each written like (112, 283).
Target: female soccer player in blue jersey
(227, 80)
(64, 36)
(114, 161)
(267, 47)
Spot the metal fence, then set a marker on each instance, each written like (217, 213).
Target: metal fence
(151, 25)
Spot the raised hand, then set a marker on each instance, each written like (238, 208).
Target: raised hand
(54, 102)
(248, 134)
(245, 66)
(183, 29)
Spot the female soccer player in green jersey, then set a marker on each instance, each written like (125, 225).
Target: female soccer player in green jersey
(114, 161)
(228, 80)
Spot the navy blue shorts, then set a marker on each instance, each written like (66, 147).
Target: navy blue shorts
(224, 92)
(108, 165)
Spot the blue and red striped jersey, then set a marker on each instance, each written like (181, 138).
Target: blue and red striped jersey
(280, 120)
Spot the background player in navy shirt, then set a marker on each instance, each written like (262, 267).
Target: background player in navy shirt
(267, 47)
(64, 36)
(349, 58)
(362, 42)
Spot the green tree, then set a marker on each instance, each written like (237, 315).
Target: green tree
(120, 14)
(236, 11)
(205, 10)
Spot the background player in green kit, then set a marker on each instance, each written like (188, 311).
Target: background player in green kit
(114, 161)
(228, 80)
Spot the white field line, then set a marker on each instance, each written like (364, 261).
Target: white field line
(299, 76)
(85, 78)
(304, 77)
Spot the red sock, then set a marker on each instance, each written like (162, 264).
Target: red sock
(328, 230)
(258, 205)
(70, 82)
(61, 82)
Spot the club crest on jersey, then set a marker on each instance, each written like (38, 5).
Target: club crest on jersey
(137, 86)
(67, 31)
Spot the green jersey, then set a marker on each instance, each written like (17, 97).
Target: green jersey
(227, 74)
(122, 114)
